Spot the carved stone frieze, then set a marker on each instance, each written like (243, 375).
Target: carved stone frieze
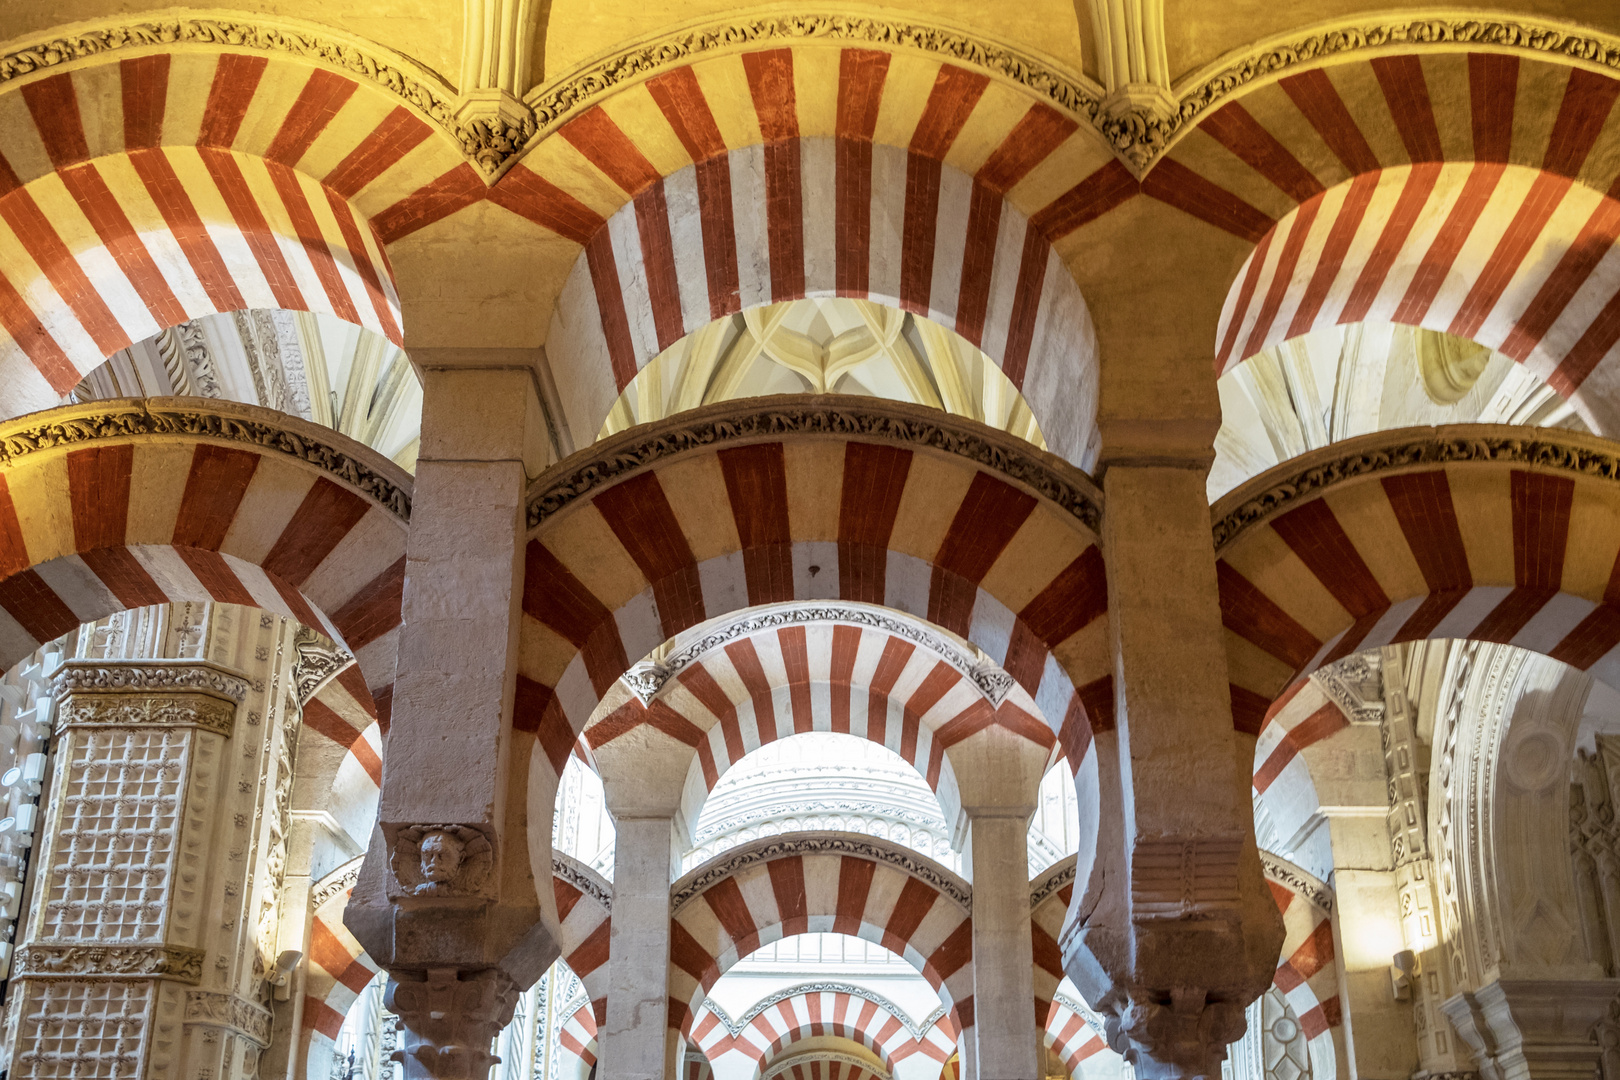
(441, 861)
(583, 878)
(736, 859)
(834, 415)
(1285, 873)
(318, 660)
(139, 710)
(1355, 684)
(79, 425)
(229, 1010)
(138, 675)
(110, 961)
(1296, 481)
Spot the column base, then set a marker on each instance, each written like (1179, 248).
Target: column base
(1524, 1029)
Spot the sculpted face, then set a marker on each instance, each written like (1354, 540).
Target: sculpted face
(441, 857)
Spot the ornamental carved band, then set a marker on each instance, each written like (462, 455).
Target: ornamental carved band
(836, 415)
(229, 1011)
(261, 429)
(110, 962)
(137, 694)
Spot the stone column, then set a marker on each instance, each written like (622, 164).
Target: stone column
(1185, 938)
(1003, 978)
(1535, 1029)
(155, 892)
(636, 1042)
(446, 900)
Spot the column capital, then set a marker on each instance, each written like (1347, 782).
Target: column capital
(450, 1019)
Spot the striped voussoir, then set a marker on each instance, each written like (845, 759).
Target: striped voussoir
(139, 193)
(766, 224)
(1065, 1031)
(338, 968)
(811, 1067)
(1284, 784)
(1308, 975)
(578, 1036)
(584, 902)
(1456, 532)
(669, 525)
(772, 1028)
(820, 883)
(1272, 153)
(1071, 1037)
(121, 504)
(855, 669)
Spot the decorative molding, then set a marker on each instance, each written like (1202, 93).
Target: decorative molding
(1085, 1012)
(558, 101)
(991, 679)
(116, 710)
(336, 883)
(583, 878)
(1355, 684)
(228, 1010)
(1049, 883)
(141, 675)
(491, 144)
(736, 859)
(735, 1027)
(804, 415)
(1296, 481)
(110, 962)
(76, 425)
(1285, 873)
(1448, 30)
(319, 659)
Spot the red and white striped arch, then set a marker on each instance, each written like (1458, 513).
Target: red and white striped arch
(795, 671)
(1309, 977)
(771, 1028)
(1509, 256)
(137, 194)
(578, 1037)
(1482, 548)
(1284, 785)
(921, 532)
(127, 521)
(586, 926)
(872, 895)
(766, 224)
(811, 1067)
(1070, 1037)
(1066, 1032)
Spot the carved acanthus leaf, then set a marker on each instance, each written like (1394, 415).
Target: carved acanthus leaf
(137, 675)
(736, 859)
(228, 1010)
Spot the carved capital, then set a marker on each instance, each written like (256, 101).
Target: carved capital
(110, 962)
(444, 862)
(1183, 1036)
(450, 1020)
(229, 1011)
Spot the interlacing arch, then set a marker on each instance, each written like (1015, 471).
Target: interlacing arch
(666, 526)
(141, 191)
(124, 504)
(1457, 532)
(820, 883)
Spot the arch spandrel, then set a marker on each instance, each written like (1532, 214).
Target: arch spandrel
(1476, 531)
(127, 503)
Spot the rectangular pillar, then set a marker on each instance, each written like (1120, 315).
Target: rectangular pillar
(1003, 978)
(636, 1042)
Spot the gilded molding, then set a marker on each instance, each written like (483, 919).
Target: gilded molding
(1285, 873)
(1297, 481)
(1403, 32)
(809, 415)
(110, 962)
(734, 861)
(262, 429)
(488, 144)
(556, 102)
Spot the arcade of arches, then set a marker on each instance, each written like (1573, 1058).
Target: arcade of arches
(608, 540)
